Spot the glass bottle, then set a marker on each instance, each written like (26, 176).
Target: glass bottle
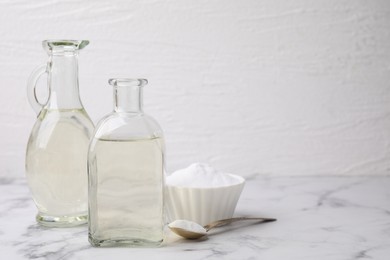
(126, 173)
(57, 149)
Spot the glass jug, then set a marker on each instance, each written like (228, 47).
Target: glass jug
(126, 173)
(56, 156)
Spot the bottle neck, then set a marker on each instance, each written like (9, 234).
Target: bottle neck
(63, 81)
(128, 99)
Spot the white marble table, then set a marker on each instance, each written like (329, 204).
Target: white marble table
(318, 218)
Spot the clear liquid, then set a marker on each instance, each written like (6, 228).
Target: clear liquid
(56, 166)
(126, 192)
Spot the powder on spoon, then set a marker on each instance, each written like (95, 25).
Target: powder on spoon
(188, 225)
(200, 175)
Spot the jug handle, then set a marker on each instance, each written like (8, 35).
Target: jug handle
(31, 88)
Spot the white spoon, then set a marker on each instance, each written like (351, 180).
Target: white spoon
(192, 230)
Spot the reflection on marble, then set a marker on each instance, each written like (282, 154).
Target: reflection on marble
(318, 218)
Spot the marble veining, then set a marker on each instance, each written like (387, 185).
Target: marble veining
(318, 218)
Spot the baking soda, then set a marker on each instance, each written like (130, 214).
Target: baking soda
(188, 225)
(200, 175)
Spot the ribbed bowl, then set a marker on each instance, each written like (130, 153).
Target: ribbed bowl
(203, 205)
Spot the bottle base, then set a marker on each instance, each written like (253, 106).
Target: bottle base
(62, 221)
(123, 242)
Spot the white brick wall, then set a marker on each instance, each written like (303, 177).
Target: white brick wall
(267, 87)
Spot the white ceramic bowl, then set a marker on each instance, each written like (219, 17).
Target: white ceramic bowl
(203, 205)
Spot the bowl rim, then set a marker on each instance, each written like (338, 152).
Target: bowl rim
(241, 182)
